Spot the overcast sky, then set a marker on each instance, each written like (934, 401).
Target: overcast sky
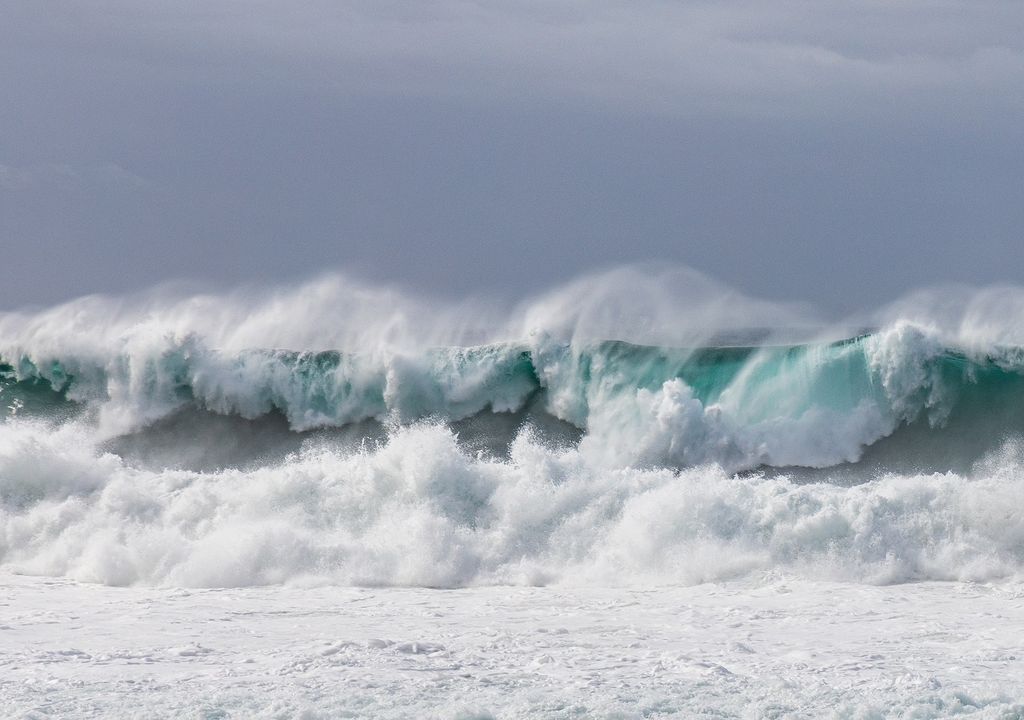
(840, 152)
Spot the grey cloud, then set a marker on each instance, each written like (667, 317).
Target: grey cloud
(839, 152)
(42, 175)
(24, 178)
(748, 58)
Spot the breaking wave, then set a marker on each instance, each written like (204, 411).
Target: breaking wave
(613, 431)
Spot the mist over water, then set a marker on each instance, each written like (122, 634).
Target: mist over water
(644, 425)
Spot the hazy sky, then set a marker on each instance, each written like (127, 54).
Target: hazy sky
(837, 152)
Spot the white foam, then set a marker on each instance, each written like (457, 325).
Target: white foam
(419, 511)
(778, 648)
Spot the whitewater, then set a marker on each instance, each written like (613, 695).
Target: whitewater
(640, 494)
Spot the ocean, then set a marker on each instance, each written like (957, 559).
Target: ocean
(638, 495)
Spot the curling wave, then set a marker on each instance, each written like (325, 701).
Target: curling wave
(207, 441)
(812, 405)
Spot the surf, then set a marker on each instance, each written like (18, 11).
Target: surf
(597, 434)
(812, 405)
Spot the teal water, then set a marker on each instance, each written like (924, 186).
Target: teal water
(762, 405)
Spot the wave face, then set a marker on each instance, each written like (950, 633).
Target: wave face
(156, 442)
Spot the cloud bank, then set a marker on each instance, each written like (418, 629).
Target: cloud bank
(836, 152)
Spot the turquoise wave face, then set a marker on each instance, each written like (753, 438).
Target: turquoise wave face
(31, 394)
(812, 405)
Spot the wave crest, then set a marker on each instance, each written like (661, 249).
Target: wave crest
(812, 405)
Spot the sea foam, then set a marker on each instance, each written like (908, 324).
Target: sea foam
(629, 428)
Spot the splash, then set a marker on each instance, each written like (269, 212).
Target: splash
(625, 428)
